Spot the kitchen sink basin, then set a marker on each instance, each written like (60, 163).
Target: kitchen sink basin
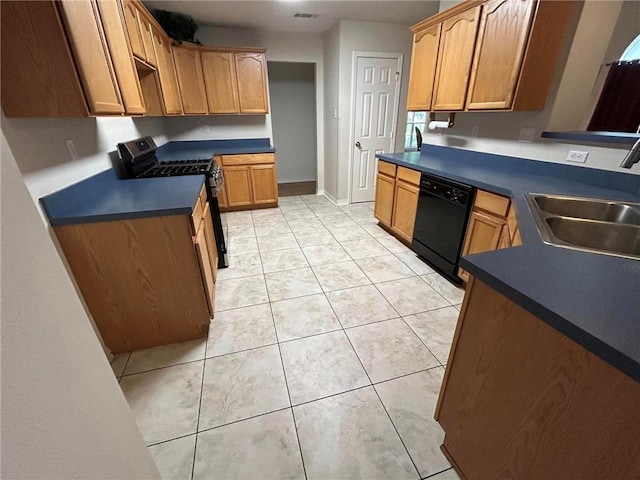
(606, 211)
(599, 226)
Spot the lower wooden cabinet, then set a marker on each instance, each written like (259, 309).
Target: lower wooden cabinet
(383, 206)
(396, 201)
(520, 397)
(492, 226)
(146, 281)
(249, 180)
(405, 204)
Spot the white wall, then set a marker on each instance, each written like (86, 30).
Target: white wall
(293, 116)
(371, 37)
(63, 413)
(281, 47)
(570, 98)
(42, 156)
(331, 52)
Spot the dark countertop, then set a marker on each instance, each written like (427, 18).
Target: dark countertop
(105, 197)
(187, 150)
(593, 299)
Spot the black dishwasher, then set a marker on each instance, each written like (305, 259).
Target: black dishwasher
(441, 222)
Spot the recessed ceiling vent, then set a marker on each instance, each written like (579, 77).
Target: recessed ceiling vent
(305, 15)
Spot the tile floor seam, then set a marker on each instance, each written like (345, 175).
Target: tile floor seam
(126, 364)
(195, 445)
(243, 350)
(437, 473)
(284, 371)
(171, 439)
(312, 335)
(164, 367)
(419, 338)
(244, 419)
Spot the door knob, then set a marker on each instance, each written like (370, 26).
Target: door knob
(358, 145)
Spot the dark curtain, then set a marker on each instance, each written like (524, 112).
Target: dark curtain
(618, 108)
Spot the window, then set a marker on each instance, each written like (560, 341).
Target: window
(632, 52)
(414, 119)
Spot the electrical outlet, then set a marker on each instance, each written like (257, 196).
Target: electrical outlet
(526, 135)
(474, 130)
(576, 156)
(335, 113)
(72, 149)
(205, 129)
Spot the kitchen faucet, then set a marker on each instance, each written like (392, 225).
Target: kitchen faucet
(633, 156)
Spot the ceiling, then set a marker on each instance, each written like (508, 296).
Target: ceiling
(278, 15)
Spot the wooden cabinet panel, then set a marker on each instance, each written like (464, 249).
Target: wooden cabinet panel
(264, 184)
(220, 81)
(520, 397)
(455, 54)
(387, 168)
(383, 206)
(405, 204)
(92, 56)
(204, 260)
(238, 186)
(502, 40)
(251, 71)
(140, 279)
(248, 159)
(409, 176)
(147, 32)
(505, 237)
(125, 69)
(190, 78)
(424, 55)
(483, 233)
(167, 72)
(492, 203)
(132, 20)
(37, 81)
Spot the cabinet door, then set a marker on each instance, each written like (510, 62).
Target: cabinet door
(190, 79)
(210, 237)
(167, 74)
(505, 237)
(483, 233)
(238, 186)
(457, 41)
(220, 81)
(405, 204)
(205, 265)
(251, 73)
(502, 40)
(423, 68)
(132, 21)
(383, 206)
(92, 56)
(264, 184)
(147, 32)
(119, 48)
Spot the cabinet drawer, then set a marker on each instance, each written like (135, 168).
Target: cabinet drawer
(409, 176)
(198, 209)
(203, 196)
(386, 168)
(490, 202)
(248, 159)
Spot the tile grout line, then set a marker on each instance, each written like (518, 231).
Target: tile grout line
(204, 364)
(376, 392)
(284, 373)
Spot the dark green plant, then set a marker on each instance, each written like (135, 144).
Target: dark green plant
(178, 26)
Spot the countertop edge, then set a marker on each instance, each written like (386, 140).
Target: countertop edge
(115, 217)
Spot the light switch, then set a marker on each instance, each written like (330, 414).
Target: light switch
(576, 156)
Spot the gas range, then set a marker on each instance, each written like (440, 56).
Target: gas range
(196, 166)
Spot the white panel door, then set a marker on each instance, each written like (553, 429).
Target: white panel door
(376, 100)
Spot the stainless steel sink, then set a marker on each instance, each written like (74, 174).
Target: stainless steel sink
(603, 210)
(599, 226)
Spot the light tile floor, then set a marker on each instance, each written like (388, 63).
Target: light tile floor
(324, 359)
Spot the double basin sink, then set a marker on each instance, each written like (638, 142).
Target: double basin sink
(599, 226)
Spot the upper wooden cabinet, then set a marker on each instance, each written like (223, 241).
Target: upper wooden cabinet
(423, 68)
(190, 78)
(492, 55)
(220, 81)
(132, 20)
(166, 69)
(501, 44)
(123, 64)
(455, 54)
(251, 72)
